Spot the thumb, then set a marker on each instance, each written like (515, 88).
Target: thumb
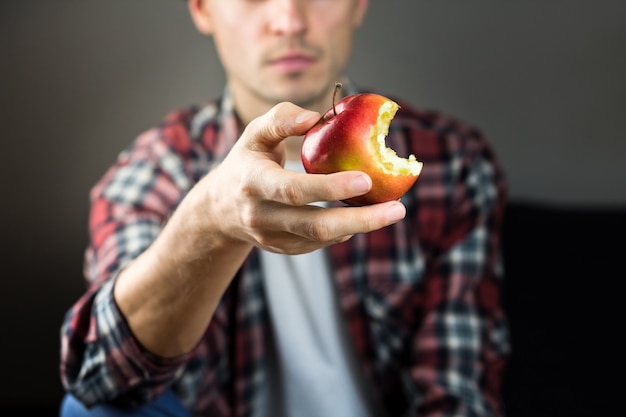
(281, 121)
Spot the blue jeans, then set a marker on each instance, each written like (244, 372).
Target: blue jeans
(167, 405)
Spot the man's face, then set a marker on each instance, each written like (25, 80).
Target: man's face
(283, 50)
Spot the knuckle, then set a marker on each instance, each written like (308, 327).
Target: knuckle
(291, 193)
(370, 222)
(248, 184)
(276, 125)
(319, 231)
(246, 188)
(250, 218)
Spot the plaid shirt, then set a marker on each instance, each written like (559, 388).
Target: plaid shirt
(421, 298)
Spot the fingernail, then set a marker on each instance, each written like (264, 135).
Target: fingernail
(306, 115)
(396, 212)
(361, 184)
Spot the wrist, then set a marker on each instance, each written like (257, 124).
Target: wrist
(199, 227)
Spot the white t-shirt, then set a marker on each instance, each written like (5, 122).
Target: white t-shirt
(312, 366)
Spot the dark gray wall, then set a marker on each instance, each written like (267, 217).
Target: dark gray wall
(545, 81)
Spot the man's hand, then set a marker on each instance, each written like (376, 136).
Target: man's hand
(250, 197)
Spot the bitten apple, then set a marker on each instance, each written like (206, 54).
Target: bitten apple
(351, 136)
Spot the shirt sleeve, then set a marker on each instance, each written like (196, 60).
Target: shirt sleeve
(100, 358)
(462, 344)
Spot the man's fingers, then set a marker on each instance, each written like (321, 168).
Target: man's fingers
(331, 225)
(283, 120)
(271, 183)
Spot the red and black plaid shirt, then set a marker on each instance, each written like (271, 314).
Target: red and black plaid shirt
(421, 298)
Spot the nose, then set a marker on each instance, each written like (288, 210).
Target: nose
(288, 17)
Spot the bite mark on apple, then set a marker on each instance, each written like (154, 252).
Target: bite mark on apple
(387, 158)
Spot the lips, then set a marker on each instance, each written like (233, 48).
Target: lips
(292, 62)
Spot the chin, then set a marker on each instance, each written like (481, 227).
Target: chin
(304, 90)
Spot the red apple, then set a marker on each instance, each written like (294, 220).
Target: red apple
(351, 136)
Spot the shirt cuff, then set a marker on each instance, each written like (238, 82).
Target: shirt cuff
(132, 363)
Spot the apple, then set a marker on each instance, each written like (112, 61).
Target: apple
(351, 136)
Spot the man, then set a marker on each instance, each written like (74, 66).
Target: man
(222, 284)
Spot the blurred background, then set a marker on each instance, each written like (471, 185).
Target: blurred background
(544, 80)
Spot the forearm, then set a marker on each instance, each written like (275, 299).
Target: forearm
(169, 293)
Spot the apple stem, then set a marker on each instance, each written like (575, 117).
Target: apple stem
(338, 86)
